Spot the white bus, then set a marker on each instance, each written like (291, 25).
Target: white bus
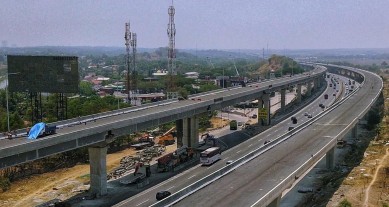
(210, 155)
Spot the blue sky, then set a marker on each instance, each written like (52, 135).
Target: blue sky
(202, 24)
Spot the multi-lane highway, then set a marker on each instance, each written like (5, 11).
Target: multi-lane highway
(190, 176)
(259, 179)
(95, 128)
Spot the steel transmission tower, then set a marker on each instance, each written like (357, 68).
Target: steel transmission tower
(171, 32)
(127, 38)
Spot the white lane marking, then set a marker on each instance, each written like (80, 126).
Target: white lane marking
(249, 145)
(170, 187)
(226, 157)
(259, 140)
(191, 176)
(238, 151)
(157, 186)
(142, 202)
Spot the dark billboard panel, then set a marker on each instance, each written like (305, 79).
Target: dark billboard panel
(51, 74)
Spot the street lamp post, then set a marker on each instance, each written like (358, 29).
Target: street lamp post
(6, 98)
(223, 77)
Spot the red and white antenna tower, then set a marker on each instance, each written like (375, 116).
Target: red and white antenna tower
(127, 38)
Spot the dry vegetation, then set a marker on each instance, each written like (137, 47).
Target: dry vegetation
(368, 183)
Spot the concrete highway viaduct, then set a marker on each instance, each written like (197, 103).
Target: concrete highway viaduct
(260, 177)
(96, 131)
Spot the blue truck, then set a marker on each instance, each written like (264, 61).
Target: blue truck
(41, 129)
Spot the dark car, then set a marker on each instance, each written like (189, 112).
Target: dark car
(162, 194)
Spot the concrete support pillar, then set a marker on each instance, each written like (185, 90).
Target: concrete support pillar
(354, 132)
(180, 132)
(283, 100)
(309, 88)
(315, 84)
(276, 202)
(330, 159)
(265, 109)
(191, 132)
(98, 170)
(298, 93)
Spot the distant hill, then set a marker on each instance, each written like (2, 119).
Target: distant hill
(277, 64)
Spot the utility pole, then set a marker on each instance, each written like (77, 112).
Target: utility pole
(134, 85)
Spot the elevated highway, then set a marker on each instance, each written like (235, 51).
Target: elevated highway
(258, 178)
(97, 130)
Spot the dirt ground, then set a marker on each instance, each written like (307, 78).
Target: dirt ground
(65, 183)
(216, 123)
(367, 185)
(60, 184)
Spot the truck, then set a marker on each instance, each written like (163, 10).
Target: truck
(40, 130)
(164, 163)
(169, 161)
(233, 125)
(145, 141)
(167, 139)
(208, 141)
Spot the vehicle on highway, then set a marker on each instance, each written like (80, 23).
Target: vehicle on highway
(334, 94)
(294, 120)
(210, 155)
(266, 142)
(233, 125)
(306, 113)
(162, 194)
(321, 106)
(309, 115)
(40, 130)
(229, 162)
(325, 96)
(290, 128)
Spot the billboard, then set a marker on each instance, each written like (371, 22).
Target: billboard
(51, 74)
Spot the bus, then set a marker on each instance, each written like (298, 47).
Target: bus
(210, 155)
(233, 125)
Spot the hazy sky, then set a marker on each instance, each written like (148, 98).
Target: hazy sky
(202, 24)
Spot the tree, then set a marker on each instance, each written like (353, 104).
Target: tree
(86, 89)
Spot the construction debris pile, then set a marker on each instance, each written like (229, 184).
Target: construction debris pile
(127, 164)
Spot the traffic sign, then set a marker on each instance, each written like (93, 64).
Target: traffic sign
(262, 113)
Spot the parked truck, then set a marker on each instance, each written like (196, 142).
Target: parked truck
(169, 161)
(167, 139)
(145, 141)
